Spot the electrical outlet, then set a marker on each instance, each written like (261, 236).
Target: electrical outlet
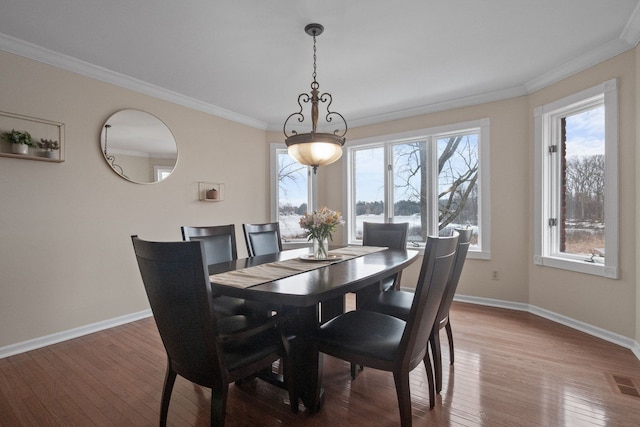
(494, 275)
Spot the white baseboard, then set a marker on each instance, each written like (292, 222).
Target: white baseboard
(620, 340)
(33, 344)
(595, 331)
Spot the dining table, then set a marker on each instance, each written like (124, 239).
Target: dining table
(308, 292)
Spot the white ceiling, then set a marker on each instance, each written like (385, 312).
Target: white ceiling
(248, 60)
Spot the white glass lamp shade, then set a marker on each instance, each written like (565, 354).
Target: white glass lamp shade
(315, 153)
(315, 149)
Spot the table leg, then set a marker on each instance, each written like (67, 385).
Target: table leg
(365, 296)
(307, 361)
(331, 308)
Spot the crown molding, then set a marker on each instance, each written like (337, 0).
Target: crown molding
(628, 39)
(631, 32)
(435, 107)
(40, 54)
(576, 65)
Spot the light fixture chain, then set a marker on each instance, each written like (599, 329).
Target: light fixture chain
(314, 58)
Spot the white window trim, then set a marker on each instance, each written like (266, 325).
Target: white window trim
(542, 249)
(311, 182)
(483, 250)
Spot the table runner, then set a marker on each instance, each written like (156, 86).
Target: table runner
(251, 276)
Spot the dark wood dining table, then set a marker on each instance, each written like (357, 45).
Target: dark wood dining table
(309, 298)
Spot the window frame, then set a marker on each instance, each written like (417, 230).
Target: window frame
(547, 181)
(430, 135)
(312, 187)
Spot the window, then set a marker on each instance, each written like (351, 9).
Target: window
(576, 182)
(162, 172)
(434, 179)
(293, 185)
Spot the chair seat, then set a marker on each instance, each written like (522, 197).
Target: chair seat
(394, 303)
(367, 333)
(228, 306)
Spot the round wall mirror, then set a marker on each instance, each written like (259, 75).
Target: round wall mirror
(138, 146)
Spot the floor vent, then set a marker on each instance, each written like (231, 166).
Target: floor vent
(624, 385)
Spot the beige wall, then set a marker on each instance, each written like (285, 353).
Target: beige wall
(509, 197)
(66, 255)
(608, 304)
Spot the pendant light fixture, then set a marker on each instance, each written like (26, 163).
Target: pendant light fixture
(315, 148)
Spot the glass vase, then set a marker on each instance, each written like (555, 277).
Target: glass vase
(321, 248)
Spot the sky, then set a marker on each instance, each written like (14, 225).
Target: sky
(585, 133)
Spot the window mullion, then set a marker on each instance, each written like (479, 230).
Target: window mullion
(432, 185)
(388, 187)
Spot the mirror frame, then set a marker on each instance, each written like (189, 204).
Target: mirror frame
(106, 133)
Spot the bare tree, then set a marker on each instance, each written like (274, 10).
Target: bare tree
(288, 172)
(585, 187)
(458, 169)
(457, 177)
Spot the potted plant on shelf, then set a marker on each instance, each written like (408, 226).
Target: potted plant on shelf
(20, 141)
(48, 147)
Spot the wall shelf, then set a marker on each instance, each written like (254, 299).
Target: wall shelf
(210, 191)
(39, 129)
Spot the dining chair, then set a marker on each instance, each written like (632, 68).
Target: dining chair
(387, 343)
(219, 246)
(262, 239)
(398, 304)
(202, 348)
(391, 235)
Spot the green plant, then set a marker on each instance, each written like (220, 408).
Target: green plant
(48, 144)
(18, 137)
(320, 224)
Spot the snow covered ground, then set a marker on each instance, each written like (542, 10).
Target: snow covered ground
(291, 230)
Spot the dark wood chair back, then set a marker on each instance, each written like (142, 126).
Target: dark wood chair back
(464, 240)
(219, 246)
(219, 241)
(442, 319)
(176, 280)
(262, 239)
(205, 350)
(393, 236)
(434, 275)
(385, 342)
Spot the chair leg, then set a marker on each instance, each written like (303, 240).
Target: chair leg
(447, 327)
(169, 381)
(404, 397)
(219, 406)
(434, 341)
(354, 370)
(430, 383)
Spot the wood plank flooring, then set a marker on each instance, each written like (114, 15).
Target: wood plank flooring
(511, 369)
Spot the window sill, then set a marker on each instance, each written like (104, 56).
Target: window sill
(578, 266)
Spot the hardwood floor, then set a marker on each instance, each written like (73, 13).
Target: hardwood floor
(511, 369)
